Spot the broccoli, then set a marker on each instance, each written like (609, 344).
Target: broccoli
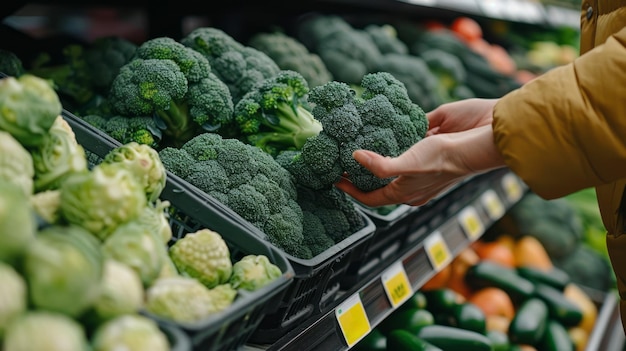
(104, 59)
(386, 39)
(348, 53)
(140, 129)
(291, 54)
(244, 178)
(237, 65)
(382, 119)
(11, 64)
(175, 83)
(275, 116)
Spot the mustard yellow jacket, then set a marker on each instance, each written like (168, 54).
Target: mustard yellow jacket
(566, 130)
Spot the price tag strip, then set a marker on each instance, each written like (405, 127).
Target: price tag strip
(492, 203)
(352, 320)
(471, 223)
(437, 250)
(512, 187)
(396, 284)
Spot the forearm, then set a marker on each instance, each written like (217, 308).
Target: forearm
(472, 151)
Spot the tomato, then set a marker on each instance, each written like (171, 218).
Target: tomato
(467, 28)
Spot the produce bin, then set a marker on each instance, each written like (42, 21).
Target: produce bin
(192, 210)
(179, 341)
(312, 283)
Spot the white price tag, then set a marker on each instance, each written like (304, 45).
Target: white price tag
(512, 187)
(471, 223)
(396, 284)
(492, 204)
(437, 250)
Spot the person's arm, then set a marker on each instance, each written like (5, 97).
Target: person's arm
(566, 130)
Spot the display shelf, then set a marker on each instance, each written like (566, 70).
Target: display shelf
(356, 311)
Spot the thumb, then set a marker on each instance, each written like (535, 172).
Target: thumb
(380, 166)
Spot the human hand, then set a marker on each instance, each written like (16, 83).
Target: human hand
(460, 115)
(437, 162)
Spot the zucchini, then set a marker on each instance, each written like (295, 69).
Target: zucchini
(488, 273)
(529, 324)
(499, 340)
(560, 308)
(442, 300)
(465, 316)
(409, 319)
(374, 341)
(403, 340)
(555, 277)
(556, 338)
(453, 338)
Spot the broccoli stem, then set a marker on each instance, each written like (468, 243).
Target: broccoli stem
(295, 125)
(178, 123)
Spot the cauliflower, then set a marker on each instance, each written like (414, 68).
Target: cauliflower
(186, 300)
(130, 332)
(121, 292)
(16, 163)
(13, 296)
(252, 272)
(17, 223)
(203, 255)
(45, 331)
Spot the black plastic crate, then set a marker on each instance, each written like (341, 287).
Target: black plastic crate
(315, 282)
(179, 341)
(192, 210)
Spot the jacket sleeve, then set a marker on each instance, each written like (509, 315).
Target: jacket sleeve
(566, 130)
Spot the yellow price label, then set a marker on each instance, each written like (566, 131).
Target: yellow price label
(492, 204)
(471, 223)
(512, 187)
(352, 320)
(437, 250)
(396, 284)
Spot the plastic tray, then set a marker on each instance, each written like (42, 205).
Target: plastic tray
(231, 328)
(179, 341)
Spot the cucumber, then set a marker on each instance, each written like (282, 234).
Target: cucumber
(374, 341)
(441, 300)
(402, 340)
(556, 338)
(488, 273)
(409, 319)
(529, 324)
(560, 308)
(499, 340)
(452, 338)
(556, 277)
(465, 316)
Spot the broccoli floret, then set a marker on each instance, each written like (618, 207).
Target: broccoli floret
(382, 119)
(274, 115)
(104, 59)
(386, 39)
(291, 54)
(315, 236)
(139, 129)
(176, 84)
(348, 53)
(249, 182)
(11, 64)
(237, 65)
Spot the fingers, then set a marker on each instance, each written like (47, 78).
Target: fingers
(373, 198)
(381, 166)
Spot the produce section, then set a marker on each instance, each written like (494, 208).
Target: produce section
(338, 296)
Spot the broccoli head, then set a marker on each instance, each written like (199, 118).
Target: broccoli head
(11, 64)
(174, 83)
(382, 119)
(141, 129)
(291, 54)
(237, 65)
(244, 178)
(104, 59)
(274, 115)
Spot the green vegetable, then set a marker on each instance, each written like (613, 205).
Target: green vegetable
(383, 119)
(145, 164)
(373, 341)
(499, 340)
(14, 296)
(555, 277)
(290, 54)
(560, 308)
(186, 300)
(244, 178)
(487, 273)
(29, 108)
(556, 338)
(140, 129)
(441, 300)
(63, 268)
(237, 65)
(57, 157)
(45, 331)
(400, 339)
(453, 338)
(121, 292)
(130, 332)
(11, 64)
(175, 83)
(529, 323)
(409, 319)
(465, 316)
(385, 36)
(252, 272)
(16, 164)
(203, 255)
(138, 246)
(102, 199)
(587, 267)
(274, 114)
(104, 57)
(17, 223)
(155, 216)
